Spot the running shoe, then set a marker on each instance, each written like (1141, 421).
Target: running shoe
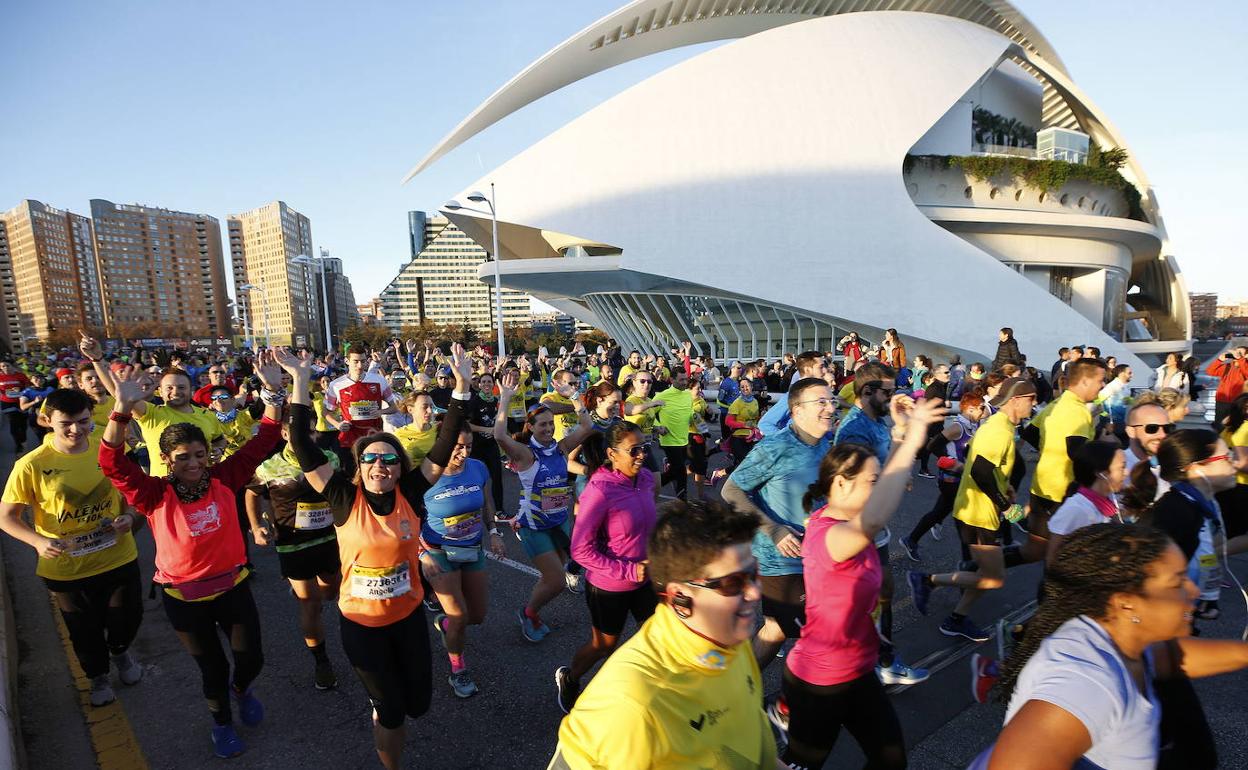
(984, 675)
(439, 625)
(1207, 610)
(935, 531)
(225, 742)
(900, 673)
(531, 632)
(575, 583)
(128, 669)
(324, 677)
(101, 691)
(432, 604)
(926, 474)
(462, 684)
(250, 709)
(912, 549)
(920, 589)
(778, 714)
(567, 691)
(964, 627)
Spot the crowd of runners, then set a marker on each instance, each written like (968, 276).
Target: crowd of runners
(377, 476)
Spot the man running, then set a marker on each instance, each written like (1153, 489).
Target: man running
(361, 396)
(675, 416)
(81, 533)
(874, 386)
(12, 383)
(769, 484)
(684, 691)
(808, 364)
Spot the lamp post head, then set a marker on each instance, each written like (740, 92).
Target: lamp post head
(452, 205)
(476, 196)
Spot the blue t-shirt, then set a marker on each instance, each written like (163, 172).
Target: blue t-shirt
(858, 428)
(1079, 670)
(32, 393)
(777, 417)
(454, 506)
(728, 392)
(775, 474)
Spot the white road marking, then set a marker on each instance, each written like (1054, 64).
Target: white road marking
(526, 569)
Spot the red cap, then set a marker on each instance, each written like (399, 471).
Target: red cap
(62, 372)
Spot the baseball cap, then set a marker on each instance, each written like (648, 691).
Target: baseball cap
(62, 372)
(1014, 387)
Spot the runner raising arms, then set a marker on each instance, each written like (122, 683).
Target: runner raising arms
(200, 561)
(544, 516)
(378, 529)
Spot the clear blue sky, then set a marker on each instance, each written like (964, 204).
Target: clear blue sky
(221, 107)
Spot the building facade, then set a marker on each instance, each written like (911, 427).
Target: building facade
(160, 267)
(370, 312)
(660, 240)
(1204, 311)
(343, 310)
(440, 285)
(55, 279)
(282, 307)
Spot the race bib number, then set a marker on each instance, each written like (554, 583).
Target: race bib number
(313, 516)
(92, 542)
(380, 582)
(463, 526)
(363, 410)
(204, 521)
(554, 508)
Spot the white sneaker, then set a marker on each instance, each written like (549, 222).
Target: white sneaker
(128, 669)
(573, 582)
(935, 531)
(101, 691)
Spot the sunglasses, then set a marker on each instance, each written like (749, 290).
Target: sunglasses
(1152, 427)
(635, 451)
(385, 458)
(729, 585)
(881, 389)
(221, 397)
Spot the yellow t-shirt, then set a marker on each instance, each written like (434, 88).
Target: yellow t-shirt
(563, 422)
(238, 432)
(668, 699)
(516, 409)
(645, 419)
(157, 418)
(993, 441)
(1065, 417)
(1237, 439)
(318, 406)
(626, 371)
(746, 412)
(69, 498)
(416, 442)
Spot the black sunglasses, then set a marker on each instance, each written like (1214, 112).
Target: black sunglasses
(1152, 427)
(386, 458)
(728, 585)
(637, 450)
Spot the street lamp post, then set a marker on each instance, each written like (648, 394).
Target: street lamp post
(479, 197)
(308, 259)
(264, 296)
(242, 307)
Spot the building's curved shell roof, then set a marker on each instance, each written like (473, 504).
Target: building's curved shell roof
(645, 27)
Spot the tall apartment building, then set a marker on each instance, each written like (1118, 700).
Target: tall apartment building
(440, 285)
(160, 266)
(370, 312)
(263, 242)
(55, 277)
(10, 328)
(343, 311)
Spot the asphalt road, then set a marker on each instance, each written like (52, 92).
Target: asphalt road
(512, 722)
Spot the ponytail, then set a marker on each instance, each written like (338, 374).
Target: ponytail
(842, 460)
(1142, 490)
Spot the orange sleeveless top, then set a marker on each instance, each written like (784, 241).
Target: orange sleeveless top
(380, 559)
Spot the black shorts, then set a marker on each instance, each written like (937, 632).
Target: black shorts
(1041, 510)
(609, 610)
(972, 535)
(307, 563)
(784, 600)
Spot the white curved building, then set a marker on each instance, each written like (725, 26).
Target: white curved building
(777, 191)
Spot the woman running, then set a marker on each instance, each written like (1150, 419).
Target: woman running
(417, 436)
(382, 622)
(603, 404)
(1100, 472)
(1115, 619)
(829, 677)
(482, 409)
(544, 516)
(614, 519)
(743, 420)
(458, 514)
(200, 561)
(307, 548)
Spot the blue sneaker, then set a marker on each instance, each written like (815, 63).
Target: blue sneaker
(900, 673)
(920, 590)
(226, 743)
(250, 709)
(964, 627)
(531, 632)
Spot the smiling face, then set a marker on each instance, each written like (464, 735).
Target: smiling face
(542, 426)
(728, 620)
(814, 410)
(628, 455)
(175, 389)
(90, 382)
(461, 451)
(850, 495)
(377, 476)
(1166, 600)
(70, 432)
(1138, 422)
(188, 462)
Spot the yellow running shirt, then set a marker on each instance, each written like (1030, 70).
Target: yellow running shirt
(1065, 417)
(238, 432)
(746, 412)
(669, 698)
(157, 418)
(69, 498)
(645, 419)
(1234, 440)
(563, 422)
(416, 442)
(994, 441)
(675, 415)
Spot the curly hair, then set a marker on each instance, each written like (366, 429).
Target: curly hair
(1092, 565)
(690, 535)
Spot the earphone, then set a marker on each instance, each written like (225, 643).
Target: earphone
(682, 605)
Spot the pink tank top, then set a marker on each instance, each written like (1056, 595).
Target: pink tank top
(839, 642)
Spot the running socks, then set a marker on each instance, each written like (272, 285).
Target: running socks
(457, 662)
(318, 652)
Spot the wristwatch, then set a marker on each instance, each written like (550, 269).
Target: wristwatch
(494, 531)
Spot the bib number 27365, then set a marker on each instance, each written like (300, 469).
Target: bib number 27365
(380, 582)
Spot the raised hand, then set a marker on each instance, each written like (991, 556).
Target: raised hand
(922, 414)
(411, 346)
(899, 408)
(130, 390)
(269, 372)
(296, 365)
(507, 385)
(461, 366)
(89, 346)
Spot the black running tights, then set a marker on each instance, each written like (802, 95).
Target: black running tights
(102, 614)
(817, 714)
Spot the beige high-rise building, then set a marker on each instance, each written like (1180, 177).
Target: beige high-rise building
(161, 271)
(263, 242)
(55, 287)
